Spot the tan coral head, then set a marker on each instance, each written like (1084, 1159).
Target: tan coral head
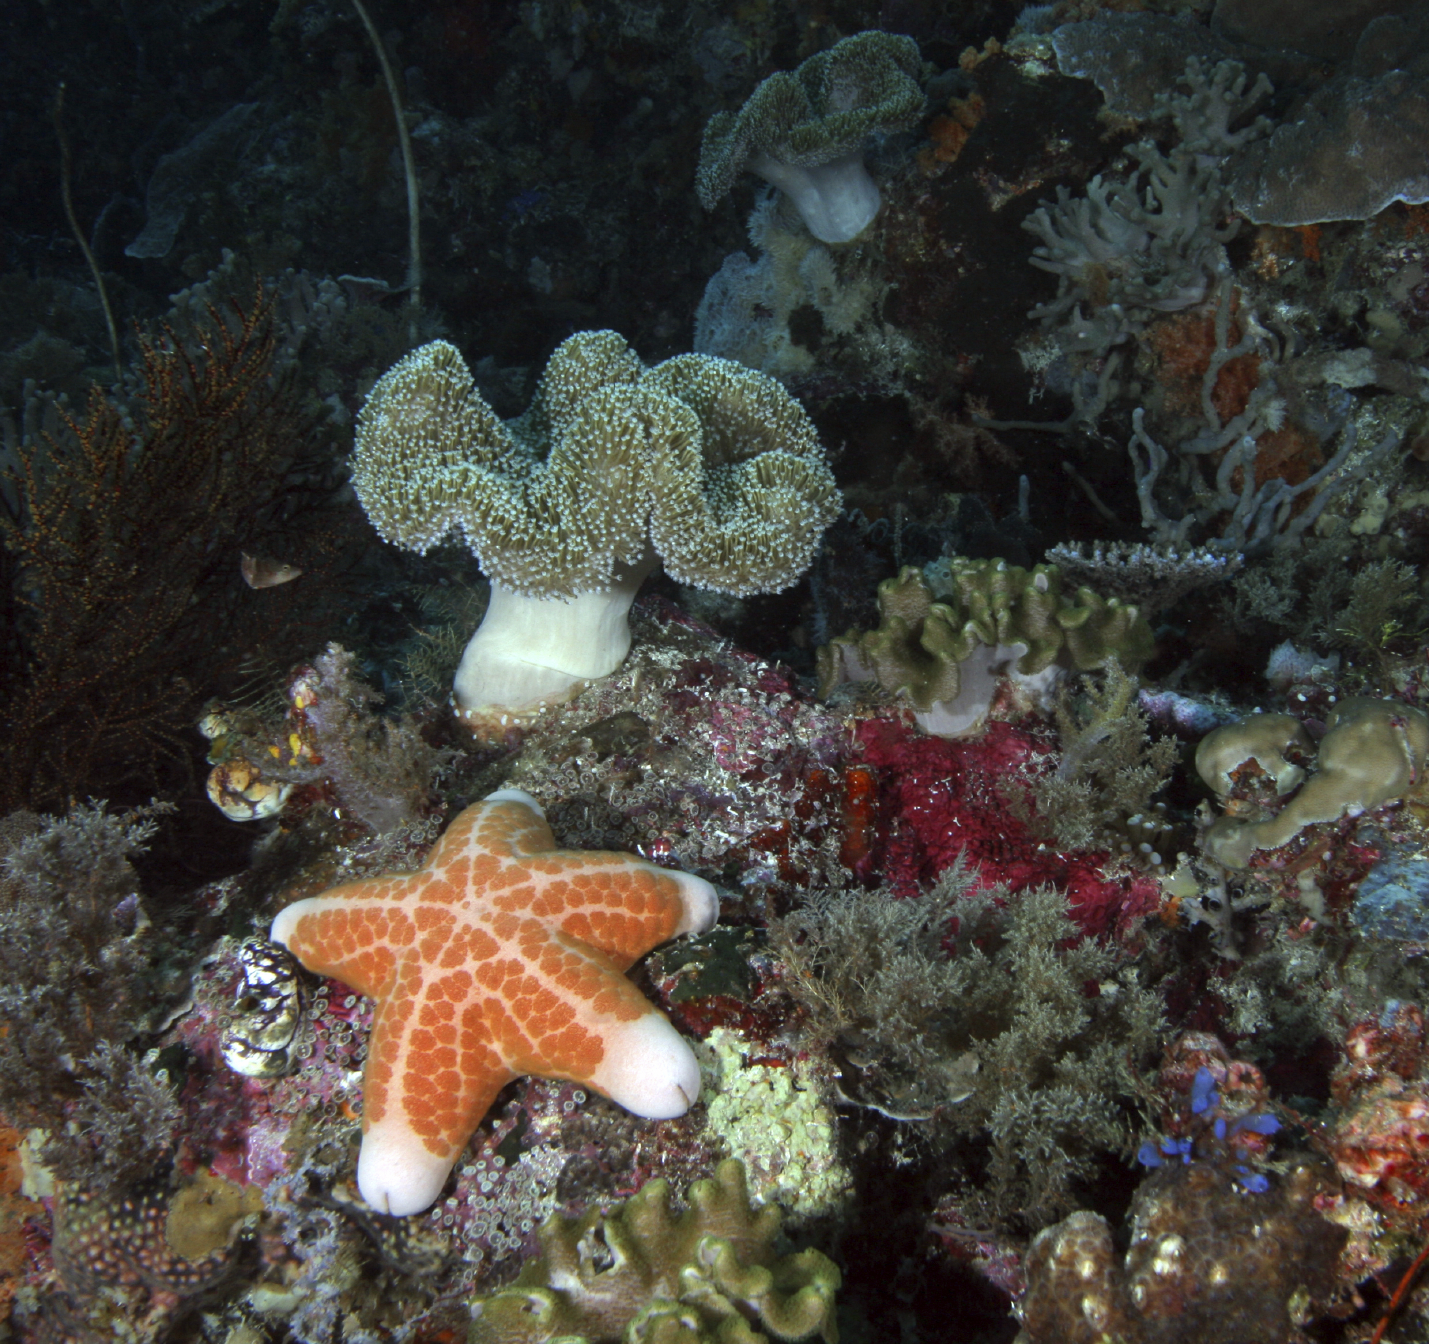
(1262, 739)
(699, 463)
(1373, 753)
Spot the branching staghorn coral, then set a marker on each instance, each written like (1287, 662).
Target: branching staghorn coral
(699, 462)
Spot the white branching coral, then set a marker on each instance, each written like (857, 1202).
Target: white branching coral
(1141, 244)
(1152, 242)
(699, 462)
(1147, 243)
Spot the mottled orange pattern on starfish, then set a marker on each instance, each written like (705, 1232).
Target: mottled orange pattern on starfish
(501, 956)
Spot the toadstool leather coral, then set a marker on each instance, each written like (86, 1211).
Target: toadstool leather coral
(805, 132)
(699, 462)
(501, 956)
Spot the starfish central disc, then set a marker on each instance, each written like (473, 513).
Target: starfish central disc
(501, 956)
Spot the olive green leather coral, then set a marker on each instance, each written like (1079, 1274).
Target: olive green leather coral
(709, 1275)
(935, 619)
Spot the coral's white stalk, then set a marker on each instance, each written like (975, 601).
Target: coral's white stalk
(837, 199)
(531, 651)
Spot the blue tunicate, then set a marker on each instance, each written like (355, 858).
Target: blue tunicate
(1150, 1155)
(1252, 1180)
(1203, 1091)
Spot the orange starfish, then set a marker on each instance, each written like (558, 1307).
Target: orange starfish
(500, 956)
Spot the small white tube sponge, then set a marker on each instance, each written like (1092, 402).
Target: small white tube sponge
(805, 132)
(701, 463)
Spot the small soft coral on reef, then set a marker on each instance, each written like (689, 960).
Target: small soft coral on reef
(380, 770)
(1108, 773)
(805, 131)
(971, 1012)
(81, 979)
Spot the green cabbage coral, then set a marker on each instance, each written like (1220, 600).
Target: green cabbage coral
(642, 1275)
(804, 132)
(700, 463)
(951, 633)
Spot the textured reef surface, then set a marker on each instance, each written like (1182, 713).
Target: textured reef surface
(680, 672)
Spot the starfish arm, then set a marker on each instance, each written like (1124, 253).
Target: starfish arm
(617, 903)
(508, 824)
(353, 933)
(486, 848)
(428, 1082)
(648, 1068)
(562, 1009)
